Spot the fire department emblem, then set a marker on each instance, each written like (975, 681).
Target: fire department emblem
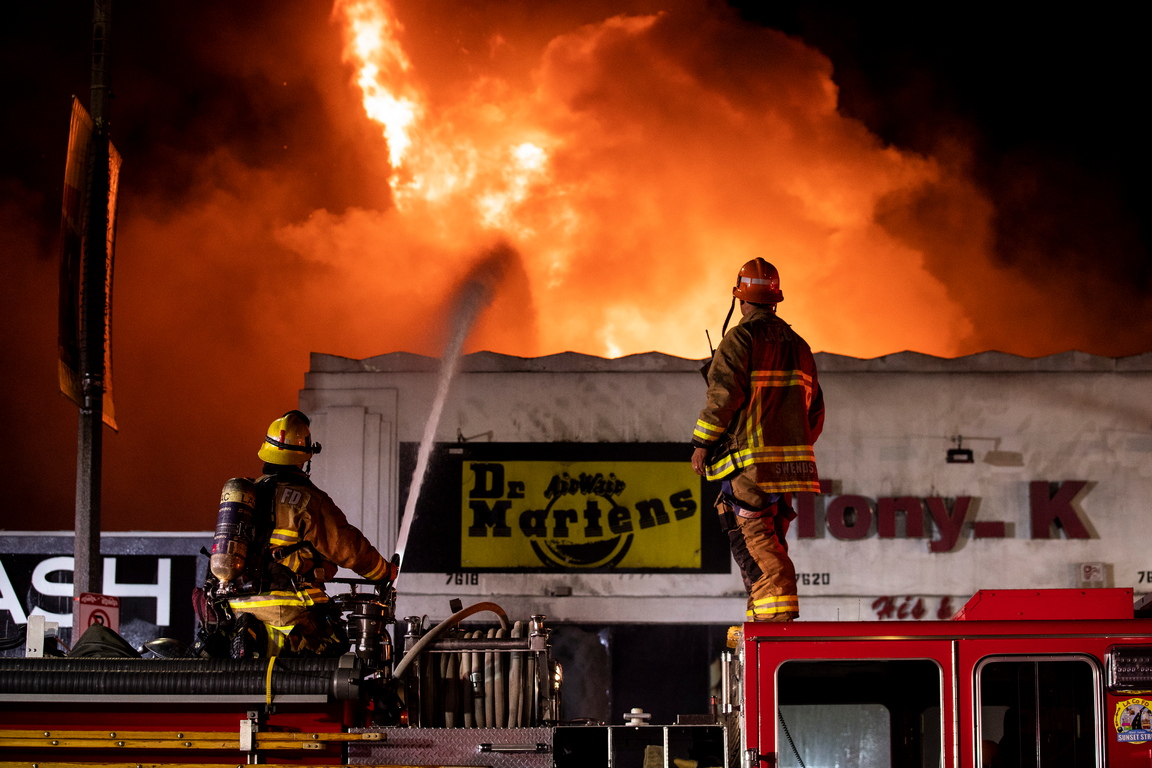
(1133, 720)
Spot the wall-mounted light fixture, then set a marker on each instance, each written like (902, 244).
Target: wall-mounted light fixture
(960, 454)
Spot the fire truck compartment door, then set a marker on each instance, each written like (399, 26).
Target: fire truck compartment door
(1033, 701)
(852, 703)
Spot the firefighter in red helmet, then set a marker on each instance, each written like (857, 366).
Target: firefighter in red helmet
(309, 538)
(763, 413)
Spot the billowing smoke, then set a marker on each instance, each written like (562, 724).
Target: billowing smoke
(632, 154)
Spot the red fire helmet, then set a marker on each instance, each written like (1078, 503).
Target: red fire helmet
(759, 283)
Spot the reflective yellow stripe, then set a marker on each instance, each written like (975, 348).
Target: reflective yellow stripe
(272, 594)
(308, 597)
(293, 562)
(780, 453)
(378, 572)
(742, 458)
(268, 601)
(278, 638)
(282, 536)
(312, 595)
(753, 615)
(707, 433)
(769, 606)
(781, 379)
(766, 612)
(775, 599)
(764, 379)
(721, 469)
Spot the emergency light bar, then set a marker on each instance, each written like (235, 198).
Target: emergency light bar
(1129, 668)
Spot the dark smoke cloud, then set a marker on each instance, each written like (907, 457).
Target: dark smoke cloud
(236, 120)
(1038, 110)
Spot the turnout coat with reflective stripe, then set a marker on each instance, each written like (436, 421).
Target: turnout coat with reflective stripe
(764, 407)
(307, 515)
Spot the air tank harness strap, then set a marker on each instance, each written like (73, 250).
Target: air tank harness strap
(280, 553)
(727, 496)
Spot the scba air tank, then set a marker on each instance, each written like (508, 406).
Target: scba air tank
(235, 529)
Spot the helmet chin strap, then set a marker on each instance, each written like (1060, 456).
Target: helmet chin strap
(311, 448)
(731, 308)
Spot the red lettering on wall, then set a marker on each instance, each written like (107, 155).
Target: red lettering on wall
(805, 504)
(849, 517)
(948, 522)
(1049, 509)
(885, 607)
(989, 529)
(913, 509)
(909, 608)
(805, 515)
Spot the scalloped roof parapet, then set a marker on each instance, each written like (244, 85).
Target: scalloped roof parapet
(658, 362)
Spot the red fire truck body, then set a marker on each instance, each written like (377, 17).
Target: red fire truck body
(1051, 678)
(1038, 678)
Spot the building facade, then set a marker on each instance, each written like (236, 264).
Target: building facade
(561, 484)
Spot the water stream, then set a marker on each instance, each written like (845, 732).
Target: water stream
(474, 295)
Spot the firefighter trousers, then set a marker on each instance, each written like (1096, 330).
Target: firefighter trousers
(756, 525)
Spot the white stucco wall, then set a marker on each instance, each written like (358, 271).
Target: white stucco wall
(890, 422)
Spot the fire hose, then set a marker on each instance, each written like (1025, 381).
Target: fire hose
(96, 679)
(442, 627)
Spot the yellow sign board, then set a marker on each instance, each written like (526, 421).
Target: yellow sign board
(580, 515)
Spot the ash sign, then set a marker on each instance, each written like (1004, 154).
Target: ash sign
(152, 577)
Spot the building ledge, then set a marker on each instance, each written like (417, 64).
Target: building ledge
(658, 362)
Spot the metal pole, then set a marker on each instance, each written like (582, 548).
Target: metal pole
(87, 572)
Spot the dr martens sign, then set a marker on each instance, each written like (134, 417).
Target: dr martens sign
(580, 515)
(1052, 507)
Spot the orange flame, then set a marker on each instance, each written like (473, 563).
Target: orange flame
(383, 69)
(638, 167)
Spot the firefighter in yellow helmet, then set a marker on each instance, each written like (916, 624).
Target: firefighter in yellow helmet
(309, 539)
(763, 413)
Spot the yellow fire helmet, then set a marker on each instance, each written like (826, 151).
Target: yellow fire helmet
(289, 441)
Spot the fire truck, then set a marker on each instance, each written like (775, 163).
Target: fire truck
(1048, 678)
(1017, 678)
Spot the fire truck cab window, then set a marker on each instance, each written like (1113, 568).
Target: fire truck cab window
(858, 714)
(1037, 711)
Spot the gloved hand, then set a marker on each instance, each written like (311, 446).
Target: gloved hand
(393, 569)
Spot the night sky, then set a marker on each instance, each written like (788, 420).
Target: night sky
(238, 123)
